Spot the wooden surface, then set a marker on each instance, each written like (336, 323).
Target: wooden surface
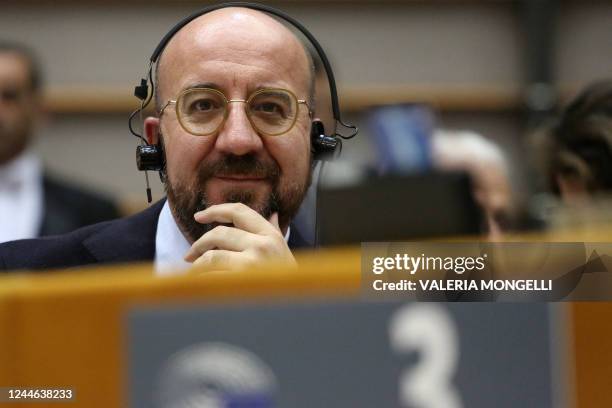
(66, 329)
(75, 99)
(51, 323)
(467, 97)
(592, 334)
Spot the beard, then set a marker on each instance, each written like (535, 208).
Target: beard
(14, 137)
(285, 199)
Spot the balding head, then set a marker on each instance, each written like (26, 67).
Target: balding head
(223, 36)
(238, 52)
(488, 168)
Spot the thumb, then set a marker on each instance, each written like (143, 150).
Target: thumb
(274, 220)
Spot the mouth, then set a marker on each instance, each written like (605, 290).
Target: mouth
(242, 181)
(240, 178)
(218, 187)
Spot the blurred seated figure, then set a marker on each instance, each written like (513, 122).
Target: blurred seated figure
(488, 167)
(31, 203)
(575, 156)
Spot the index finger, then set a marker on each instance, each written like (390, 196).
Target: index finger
(241, 215)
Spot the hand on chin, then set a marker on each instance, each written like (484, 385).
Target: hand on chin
(244, 239)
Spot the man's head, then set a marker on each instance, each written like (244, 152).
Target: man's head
(235, 51)
(19, 98)
(578, 159)
(488, 169)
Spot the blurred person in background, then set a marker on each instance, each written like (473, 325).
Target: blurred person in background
(31, 202)
(574, 154)
(488, 169)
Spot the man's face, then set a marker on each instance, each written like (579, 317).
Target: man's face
(17, 105)
(237, 55)
(492, 193)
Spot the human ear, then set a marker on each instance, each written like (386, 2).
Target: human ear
(151, 130)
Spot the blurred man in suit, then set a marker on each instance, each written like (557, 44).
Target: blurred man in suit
(31, 202)
(234, 112)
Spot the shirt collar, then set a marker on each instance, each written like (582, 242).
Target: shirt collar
(171, 245)
(23, 170)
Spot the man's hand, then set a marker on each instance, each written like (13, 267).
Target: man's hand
(251, 240)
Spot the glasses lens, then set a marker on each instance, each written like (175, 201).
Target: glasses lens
(201, 111)
(273, 112)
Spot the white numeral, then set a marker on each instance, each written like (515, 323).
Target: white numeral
(428, 330)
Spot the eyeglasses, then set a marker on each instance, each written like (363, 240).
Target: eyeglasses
(203, 111)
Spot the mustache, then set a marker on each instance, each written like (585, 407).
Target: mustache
(245, 165)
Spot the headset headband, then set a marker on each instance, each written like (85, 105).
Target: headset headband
(151, 157)
(271, 10)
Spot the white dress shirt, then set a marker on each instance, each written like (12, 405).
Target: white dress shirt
(21, 198)
(171, 245)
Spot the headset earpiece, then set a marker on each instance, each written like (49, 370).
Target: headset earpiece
(150, 157)
(323, 147)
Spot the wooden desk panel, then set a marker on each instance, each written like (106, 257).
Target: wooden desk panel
(51, 323)
(592, 332)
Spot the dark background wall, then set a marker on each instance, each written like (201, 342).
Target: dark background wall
(466, 57)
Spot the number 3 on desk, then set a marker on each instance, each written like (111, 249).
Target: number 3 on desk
(428, 330)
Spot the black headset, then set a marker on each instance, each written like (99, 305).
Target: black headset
(150, 157)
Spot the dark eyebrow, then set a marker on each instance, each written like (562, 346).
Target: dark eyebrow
(210, 85)
(284, 96)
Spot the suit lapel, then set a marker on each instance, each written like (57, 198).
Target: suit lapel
(129, 239)
(56, 219)
(132, 239)
(296, 240)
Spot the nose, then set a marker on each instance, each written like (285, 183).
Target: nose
(237, 135)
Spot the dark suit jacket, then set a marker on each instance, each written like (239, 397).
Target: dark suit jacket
(130, 239)
(68, 207)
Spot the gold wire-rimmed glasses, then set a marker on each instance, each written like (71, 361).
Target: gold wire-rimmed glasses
(203, 111)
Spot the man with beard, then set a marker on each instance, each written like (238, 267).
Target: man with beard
(32, 203)
(234, 95)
